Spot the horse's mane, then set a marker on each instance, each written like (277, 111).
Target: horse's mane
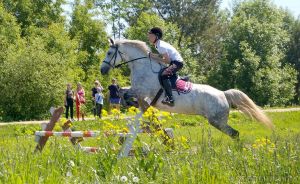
(135, 43)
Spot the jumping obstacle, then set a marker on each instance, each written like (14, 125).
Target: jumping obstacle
(41, 137)
(68, 134)
(126, 139)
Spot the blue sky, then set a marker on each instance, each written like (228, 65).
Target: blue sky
(292, 5)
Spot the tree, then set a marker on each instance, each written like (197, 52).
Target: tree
(255, 48)
(293, 54)
(32, 81)
(9, 32)
(90, 35)
(39, 13)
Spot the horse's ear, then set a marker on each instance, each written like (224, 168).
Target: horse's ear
(111, 41)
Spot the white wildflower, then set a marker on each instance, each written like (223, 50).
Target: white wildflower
(130, 174)
(135, 179)
(123, 179)
(71, 163)
(69, 174)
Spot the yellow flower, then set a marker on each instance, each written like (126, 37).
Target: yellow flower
(183, 139)
(104, 113)
(272, 145)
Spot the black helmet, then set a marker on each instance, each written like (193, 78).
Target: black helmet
(157, 31)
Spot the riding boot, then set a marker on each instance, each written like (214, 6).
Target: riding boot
(168, 100)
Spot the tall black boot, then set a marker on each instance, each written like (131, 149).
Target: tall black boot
(168, 90)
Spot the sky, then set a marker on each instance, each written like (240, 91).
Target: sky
(292, 5)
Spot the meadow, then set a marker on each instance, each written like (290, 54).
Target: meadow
(199, 153)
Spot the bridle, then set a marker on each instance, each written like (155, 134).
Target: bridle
(114, 57)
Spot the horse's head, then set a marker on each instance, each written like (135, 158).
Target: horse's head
(113, 58)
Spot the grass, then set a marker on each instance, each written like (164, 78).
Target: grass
(202, 154)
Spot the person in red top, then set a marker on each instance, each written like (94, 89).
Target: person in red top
(80, 101)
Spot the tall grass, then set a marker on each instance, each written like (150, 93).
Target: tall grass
(202, 154)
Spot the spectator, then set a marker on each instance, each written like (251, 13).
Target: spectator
(99, 101)
(94, 91)
(114, 97)
(80, 101)
(69, 101)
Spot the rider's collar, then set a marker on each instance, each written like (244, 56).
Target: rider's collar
(156, 42)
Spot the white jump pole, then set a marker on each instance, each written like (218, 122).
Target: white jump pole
(68, 134)
(127, 145)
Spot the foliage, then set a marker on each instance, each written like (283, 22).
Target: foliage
(90, 36)
(35, 13)
(9, 32)
(32, 80)
(293, 54)
(211, 157)
(254, 51)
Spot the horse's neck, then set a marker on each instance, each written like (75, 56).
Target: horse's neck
(144, 76)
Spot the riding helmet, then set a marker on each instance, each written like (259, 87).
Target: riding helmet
(156, 31)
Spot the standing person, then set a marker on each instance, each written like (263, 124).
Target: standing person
(69, 101)
(80, 101)
(94, 91)
(114, 97)
(169, 55)
(99, 101)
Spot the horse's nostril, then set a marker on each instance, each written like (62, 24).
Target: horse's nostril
(104, 70)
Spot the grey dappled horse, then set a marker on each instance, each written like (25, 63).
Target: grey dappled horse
(203, 99)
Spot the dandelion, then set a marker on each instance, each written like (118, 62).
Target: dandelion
(69, 174)
(104, 113)
(183, 139)
(123, 179)
(229, 150)
(130, 174)
(135, 179)
(71, 163)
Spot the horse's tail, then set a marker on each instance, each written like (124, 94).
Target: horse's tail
(247, 106)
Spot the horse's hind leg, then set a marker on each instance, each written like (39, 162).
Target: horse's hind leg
(219, 121)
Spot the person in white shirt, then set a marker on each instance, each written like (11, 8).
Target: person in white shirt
(99, 101)
(169, 55)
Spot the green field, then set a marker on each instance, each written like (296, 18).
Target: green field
(202, 154)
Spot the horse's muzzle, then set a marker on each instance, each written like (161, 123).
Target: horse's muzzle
(104, 69)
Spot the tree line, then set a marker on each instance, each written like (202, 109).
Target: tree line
(255, 47)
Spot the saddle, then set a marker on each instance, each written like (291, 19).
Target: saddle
(179, 84)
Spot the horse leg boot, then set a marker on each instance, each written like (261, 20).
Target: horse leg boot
(168, 90)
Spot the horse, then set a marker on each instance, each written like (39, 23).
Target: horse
(203, 100)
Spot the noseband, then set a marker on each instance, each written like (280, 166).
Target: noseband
(114, 57)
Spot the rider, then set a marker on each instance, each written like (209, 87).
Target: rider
(169, 55)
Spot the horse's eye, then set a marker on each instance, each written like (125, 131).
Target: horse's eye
(109, 53)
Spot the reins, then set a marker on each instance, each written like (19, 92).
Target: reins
(125, 62)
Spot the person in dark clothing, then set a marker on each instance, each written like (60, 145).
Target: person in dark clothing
(114, 97)
(69, 101)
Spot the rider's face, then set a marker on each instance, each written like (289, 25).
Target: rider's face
(152, 38)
